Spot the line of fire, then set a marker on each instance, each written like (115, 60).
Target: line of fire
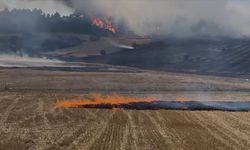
(116, 101)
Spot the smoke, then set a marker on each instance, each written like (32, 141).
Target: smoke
(27, 61)
(47, 6)
(177, 18)
(117, 44)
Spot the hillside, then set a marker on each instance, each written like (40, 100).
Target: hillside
(218, 57)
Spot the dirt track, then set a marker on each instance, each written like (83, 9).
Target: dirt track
(30, 121)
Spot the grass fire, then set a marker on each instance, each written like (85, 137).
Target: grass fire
(98, 100)
(115, 101)
(124, 75)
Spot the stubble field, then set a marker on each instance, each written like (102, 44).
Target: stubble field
(30, 120)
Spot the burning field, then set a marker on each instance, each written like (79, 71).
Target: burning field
(31, 121)
(57, 110)
(116, 101)
(101, 101)
(115, 75)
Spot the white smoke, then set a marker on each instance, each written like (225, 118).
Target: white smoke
(27, 61)
(117, 44)
(180, 18)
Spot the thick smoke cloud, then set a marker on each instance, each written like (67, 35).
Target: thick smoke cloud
(179, 18)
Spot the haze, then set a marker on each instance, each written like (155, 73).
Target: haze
(174, 18)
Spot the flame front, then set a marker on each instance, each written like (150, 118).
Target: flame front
(104, 24)
(98, 99)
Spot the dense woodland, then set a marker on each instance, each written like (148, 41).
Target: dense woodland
(19, 27)
(30, 21)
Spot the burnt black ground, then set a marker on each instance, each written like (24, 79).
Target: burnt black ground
(177, 105)
(221, 57)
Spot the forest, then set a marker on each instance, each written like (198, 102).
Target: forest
(32, 21)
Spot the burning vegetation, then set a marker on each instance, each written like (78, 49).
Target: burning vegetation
(98, 100)
(104, 24)
(115, 101)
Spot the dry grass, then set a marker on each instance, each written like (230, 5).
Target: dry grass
(30, 121)
(148, 81)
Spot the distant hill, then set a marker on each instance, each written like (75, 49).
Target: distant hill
(219, 56)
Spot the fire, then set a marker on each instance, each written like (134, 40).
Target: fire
(117, 102)
(104, 24)
(98, 99)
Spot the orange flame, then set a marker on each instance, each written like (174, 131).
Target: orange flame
(104, 24)
(96, 99)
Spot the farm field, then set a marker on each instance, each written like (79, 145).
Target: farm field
(31, 121)
(29, 118)
(124, 75)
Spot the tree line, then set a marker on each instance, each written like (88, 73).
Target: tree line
(30, 21)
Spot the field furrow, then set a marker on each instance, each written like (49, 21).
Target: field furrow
(33, 122)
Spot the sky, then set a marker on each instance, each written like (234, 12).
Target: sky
(179, 18)
(47, 6)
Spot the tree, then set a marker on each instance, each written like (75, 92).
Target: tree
(103, 52)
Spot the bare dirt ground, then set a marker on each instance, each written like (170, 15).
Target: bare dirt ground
(30, 120)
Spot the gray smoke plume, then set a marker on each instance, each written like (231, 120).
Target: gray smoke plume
(176, 17)
(179, 18)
